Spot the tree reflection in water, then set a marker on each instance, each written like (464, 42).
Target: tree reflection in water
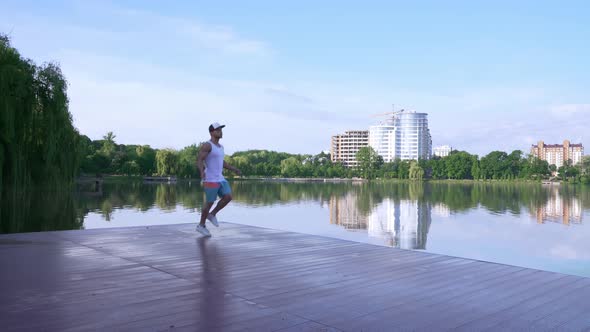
(398, 211)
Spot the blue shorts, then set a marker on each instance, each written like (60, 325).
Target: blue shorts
(214, 189)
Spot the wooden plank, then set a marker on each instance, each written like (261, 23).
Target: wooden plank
(248, 278)
(569, 286)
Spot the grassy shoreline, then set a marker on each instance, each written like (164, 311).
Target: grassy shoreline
(135, 178)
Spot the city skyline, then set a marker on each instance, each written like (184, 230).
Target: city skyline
(498, 76)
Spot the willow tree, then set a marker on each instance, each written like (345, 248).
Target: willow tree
(16, 114)
(416, 172)
(166, 162)
(38, 143)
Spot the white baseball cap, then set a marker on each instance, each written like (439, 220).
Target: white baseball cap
(215, 126)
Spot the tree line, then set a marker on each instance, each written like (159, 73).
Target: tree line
(106, 157)
(461, 165)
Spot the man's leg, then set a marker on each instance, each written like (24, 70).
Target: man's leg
(211, 189)
(221, 204)
(225, 194)
(205, 212)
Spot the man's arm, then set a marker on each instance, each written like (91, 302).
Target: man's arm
(231, 168)
(203, 153)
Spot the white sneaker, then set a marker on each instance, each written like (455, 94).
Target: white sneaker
(213, 219)
(203, 230)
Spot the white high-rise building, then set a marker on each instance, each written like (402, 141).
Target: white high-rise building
(442, 151)
(405, 136)
(382, 138)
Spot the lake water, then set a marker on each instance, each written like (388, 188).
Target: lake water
(527, 225)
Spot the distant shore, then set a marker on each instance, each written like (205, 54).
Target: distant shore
(124, 178)
(271, 179)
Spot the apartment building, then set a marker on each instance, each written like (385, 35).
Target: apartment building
(558, 154)
(404, 136)
(344, 147)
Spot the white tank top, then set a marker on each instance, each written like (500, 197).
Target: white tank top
(214, 164)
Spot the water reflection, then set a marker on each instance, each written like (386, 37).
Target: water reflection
(404, 223)
(211, 281)
(344, 212)
(526, 225)
(401, 223)
(399, 212)
(40, 210)
(559, 209)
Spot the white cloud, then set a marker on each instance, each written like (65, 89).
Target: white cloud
(570, 109)
(198, 34)
(162, 107)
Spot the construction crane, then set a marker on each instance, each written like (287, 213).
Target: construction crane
(387, 113)
(392, 113)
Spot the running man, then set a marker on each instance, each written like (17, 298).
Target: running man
(211, 164)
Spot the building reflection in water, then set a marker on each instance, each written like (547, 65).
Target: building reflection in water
(441, 210)
(559, 209)
(404, 223)
(344, 212)
(401, 223)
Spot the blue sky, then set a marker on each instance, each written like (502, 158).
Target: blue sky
(492, 75)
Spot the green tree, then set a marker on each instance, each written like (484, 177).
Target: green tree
(119, 158)
(516, 163)
(403, 168)
(459, 165)
(130, 168)
(389, 170)
(534, 168)
(584, 165)
(187, 162)
(166, 162)
(475, 168)
(568, 172)
(146, 159)
(38, 142)
(108, 144)
(369, 162)
(290, 167)
(584, 169)
(416, 172)
(438, 168)
(495, 165)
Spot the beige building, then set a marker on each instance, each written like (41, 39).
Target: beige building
(557, 154)
(344, 147)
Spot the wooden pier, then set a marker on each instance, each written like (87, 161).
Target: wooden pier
(159, 179)
(162, 278)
